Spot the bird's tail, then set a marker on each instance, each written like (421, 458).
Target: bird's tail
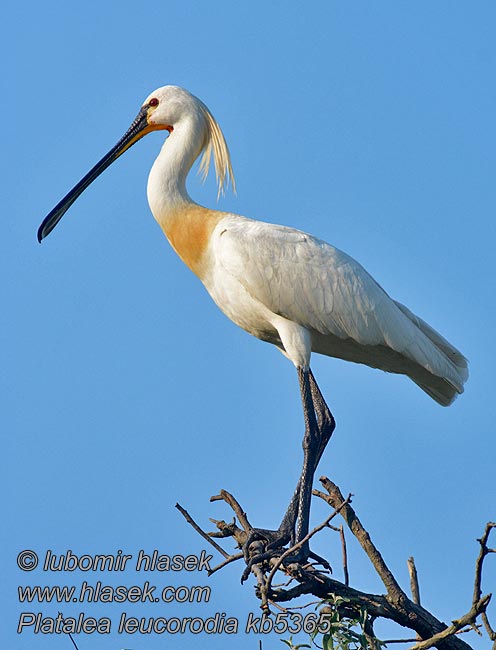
(443, 389)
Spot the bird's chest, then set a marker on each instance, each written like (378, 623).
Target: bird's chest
(243, 309)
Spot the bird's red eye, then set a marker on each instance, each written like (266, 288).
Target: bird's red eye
(153, 102)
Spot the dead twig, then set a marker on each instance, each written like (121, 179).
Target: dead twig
(393, 605)
(334, 498)
(205, 535)
(228, 560)
(467, 619)
(484, 550)
(414, 585)
(345, 555)
(233, 503)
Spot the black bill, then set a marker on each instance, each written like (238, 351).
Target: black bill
(136, 131)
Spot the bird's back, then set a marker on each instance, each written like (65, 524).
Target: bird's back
(348, 314)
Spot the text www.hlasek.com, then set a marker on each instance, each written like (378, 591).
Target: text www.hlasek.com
(99, 592)
(120, 594)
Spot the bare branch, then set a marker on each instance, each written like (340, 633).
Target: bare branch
(335, 497)
(484, 550)
(394, 605)
(205, 535)
(467, 619)
(345, 555)
(480, 560)
(228, 560)
(414, 585)
(231, 501)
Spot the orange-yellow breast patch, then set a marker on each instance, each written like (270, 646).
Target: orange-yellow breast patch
(189, 230)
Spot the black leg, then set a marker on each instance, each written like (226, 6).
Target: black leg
(325, 418)
(326, 425)
(311, 448)
(319, 426)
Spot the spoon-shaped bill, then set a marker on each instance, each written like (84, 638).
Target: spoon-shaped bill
(136, 131)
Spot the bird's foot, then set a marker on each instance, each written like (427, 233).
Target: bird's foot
(268, 539)
(263, 545)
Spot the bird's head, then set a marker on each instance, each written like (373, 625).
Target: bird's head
(169, 105)
(163, 109)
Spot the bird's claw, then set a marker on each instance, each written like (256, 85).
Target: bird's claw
(300, 556)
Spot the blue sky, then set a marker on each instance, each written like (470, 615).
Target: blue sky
(370, 125)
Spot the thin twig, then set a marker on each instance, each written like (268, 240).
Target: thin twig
(228, 560)
(480, 560)
(68, 633)
(279, 607)
(311, 603)
(205, 535)
(388, 641)
(456, 625)
(414, 585)
(229, 530)
(345, 555)
(484, 550)
(260, 576)
(354, 524)
(231, 501)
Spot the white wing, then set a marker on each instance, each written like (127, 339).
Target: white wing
(349, 315)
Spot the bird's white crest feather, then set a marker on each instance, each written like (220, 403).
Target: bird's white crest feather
(215, 147)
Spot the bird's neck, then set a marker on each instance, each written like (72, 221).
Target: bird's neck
(187, 225)
(167, 180)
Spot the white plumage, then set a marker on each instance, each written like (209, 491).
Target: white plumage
(279, 284)
(303, 295)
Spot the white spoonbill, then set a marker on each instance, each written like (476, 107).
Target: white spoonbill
(277, 283)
